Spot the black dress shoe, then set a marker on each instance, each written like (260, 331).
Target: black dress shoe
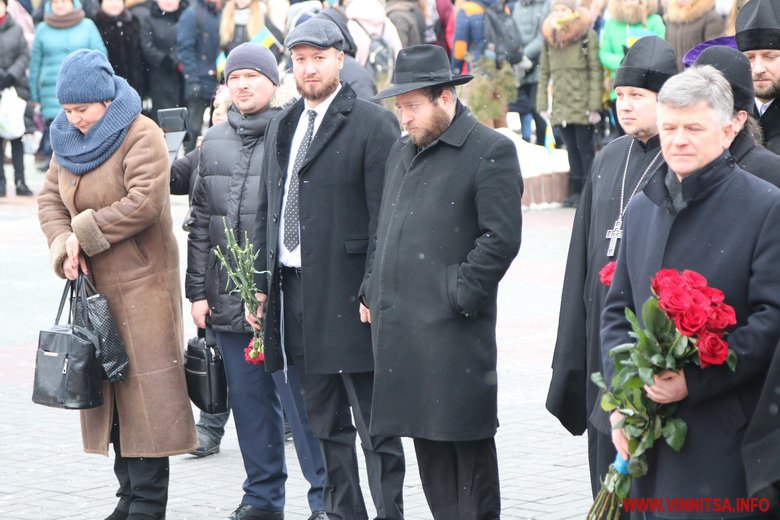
(117, 515)
(22, 190)
(247, 512)
(318, 515)
(207, 447)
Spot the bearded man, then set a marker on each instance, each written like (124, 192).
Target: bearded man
(758, 37)
(448, 230)
(323, 172)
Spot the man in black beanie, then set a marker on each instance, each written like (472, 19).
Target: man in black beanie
(619, 171)
(758, 37)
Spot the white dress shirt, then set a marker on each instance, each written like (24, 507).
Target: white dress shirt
(286, 257)
(762, 106)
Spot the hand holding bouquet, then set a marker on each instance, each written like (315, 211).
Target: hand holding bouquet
(684, 322)
(240, 267)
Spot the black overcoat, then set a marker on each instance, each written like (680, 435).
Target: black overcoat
(448, 230)
(770, 125)
(755, 159)
(122, 36)
(339, 194)
(728, 233)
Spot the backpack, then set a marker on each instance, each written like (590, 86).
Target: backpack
(381, 57)
(501, 35)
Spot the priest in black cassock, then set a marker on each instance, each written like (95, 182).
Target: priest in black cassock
(618, 172)
(758, 37)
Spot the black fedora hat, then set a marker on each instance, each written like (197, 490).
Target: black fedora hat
(422, 66)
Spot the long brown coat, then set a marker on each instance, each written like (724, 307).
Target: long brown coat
(121, 214)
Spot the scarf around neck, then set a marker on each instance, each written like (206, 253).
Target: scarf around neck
(82, 153)
(63, 21)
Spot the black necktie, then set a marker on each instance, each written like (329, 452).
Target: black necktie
(292, 237)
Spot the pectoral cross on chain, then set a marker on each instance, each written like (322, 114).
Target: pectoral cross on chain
(614, 234)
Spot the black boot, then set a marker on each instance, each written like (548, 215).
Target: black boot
(22, 190)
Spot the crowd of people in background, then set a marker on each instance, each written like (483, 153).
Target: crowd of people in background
(172, 53)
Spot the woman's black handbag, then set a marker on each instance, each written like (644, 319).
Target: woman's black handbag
(113, 356)
(67, 367)
(205, 372)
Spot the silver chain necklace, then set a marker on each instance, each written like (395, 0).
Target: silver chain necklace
(616, 233)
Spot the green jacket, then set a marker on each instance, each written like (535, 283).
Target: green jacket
(573, 68)
(616, 36)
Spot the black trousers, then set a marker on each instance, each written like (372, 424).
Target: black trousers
(331, 401)
(581, 148)
(143, 482)
(460, 479)
(17, 157)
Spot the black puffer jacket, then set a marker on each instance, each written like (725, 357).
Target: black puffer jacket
(227, 189)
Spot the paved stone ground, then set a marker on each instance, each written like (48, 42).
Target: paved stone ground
(45, 476)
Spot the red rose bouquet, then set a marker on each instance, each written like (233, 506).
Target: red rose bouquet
(240, 267)
(685, 321)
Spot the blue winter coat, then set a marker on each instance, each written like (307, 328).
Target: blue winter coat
(50, 47)
(469, 33)
(197, 46)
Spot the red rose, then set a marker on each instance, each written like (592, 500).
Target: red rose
(713, 350)
(667, 279)
(699, 299)
(715, 295)
(694, 279)
(674, 300)
(693, 320)
(607, 272)
(722, 316)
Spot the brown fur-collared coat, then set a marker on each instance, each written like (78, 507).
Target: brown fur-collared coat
(120, 211)
(690, 23)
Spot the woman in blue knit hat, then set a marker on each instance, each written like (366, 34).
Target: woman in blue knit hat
(105, 208)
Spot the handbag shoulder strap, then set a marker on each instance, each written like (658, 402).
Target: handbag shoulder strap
(82, 309)
(67, 291)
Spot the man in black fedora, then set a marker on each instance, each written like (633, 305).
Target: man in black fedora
(449, 228)
(323, 172)
(758, 37)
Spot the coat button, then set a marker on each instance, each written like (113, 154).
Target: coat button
(274, 219)
(279, 183)
(271, 253)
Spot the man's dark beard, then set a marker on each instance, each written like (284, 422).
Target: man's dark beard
(310, 93)
(439, 125)
(771, 93)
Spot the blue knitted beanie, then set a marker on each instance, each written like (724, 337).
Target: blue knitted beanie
(85, 77)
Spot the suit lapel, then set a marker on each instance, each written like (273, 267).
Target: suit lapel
(284, 136)
(331, 123)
